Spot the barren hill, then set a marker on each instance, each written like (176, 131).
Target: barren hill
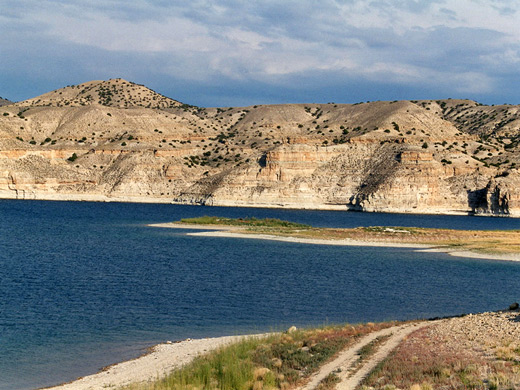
(119, 140)
(4, 102)
(112, 93)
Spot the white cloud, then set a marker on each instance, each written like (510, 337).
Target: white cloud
(455, 44)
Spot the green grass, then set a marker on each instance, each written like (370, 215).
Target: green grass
(227, 368)
(266, 222)
(278, 361)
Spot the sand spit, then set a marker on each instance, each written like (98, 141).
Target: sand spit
(223, 231)
(475, 255)
(314, 241)
(163, 359)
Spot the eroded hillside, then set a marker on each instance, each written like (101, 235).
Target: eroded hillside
(119, 140)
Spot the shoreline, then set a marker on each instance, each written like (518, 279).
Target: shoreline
(231, 232)
(59, 197)
(164, 358)
(159, 361)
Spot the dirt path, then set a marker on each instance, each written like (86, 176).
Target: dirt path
(343, 364)
(166, 357)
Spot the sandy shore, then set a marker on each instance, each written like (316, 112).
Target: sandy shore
(475, 255)
(162, 359)
(223, 231)
(485, 334)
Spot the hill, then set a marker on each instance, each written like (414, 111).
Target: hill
(112, 93)
(118, 140)
(4, 102)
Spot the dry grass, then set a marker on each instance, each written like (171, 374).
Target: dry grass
(484, 241)
(366, 352)
(329, 383)
(280, 361)
(429, 359)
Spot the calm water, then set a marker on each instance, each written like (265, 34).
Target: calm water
(83, 285)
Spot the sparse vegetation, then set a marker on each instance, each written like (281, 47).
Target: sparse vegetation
(459, 360)
(485, 241)
(279, 361)
(209, 140)
(266, 222)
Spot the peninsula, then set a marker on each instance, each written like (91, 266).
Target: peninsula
(491, 244)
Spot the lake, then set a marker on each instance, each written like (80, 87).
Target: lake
(84, 285)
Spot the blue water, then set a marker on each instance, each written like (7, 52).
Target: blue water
(84, 285)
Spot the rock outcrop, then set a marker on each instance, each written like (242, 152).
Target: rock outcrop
(115, 140)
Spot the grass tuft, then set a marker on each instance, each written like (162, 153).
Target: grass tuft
(329, 382)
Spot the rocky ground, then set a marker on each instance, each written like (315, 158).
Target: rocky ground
(477, 351)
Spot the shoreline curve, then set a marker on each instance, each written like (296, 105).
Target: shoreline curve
(157, 363)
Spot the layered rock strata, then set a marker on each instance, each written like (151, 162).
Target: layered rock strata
(115, 140)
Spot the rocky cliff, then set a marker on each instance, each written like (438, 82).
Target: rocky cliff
(117, 140)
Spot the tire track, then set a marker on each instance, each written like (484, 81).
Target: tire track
(345, 361)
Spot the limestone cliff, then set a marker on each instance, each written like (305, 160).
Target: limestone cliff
(118, 140)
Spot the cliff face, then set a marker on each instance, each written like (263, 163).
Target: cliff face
(118, 140)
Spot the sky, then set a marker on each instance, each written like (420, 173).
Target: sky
(239, 53)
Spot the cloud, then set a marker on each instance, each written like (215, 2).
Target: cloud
(468, 46)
